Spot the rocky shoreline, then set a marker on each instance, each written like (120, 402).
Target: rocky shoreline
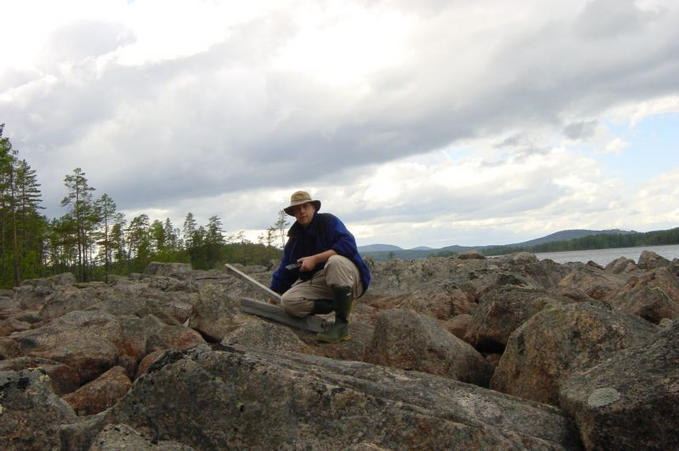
(446, 353)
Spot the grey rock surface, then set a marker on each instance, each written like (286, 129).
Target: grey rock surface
(621, 265)
(101, 393)
(265, 335)
(502, 310)
(561, 340)
(168, 269)
(630, 400)
(413, 341)
(30, 412)
(121, 437)
(595, 281)
(651, 260)
(216, 313)
(285, 400)
(71, 333)
(63, 379)
(92, 341)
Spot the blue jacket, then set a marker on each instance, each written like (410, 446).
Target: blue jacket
(324, 232)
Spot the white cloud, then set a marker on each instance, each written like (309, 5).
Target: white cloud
(639, 111)
(655, 205)
(222, 107)
(615, 146)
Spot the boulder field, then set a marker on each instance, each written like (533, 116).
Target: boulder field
(446, 353)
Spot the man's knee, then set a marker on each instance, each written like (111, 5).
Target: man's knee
(337, 259)
(341, 271)
(340, 265)
(296, 306)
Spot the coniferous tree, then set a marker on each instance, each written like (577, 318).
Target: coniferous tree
(165, 241)
(62, 247)
(171, 236)
(83, 215)
(214, 241)
(214, 233)
(22, 228)
(281, 225)
(189, 231)
(106, 211)
(119, 242)
(270, 236)
(139, 242)
(158, 237)
(31, 226)
(12, 208)
(7, 212)
(198, 250)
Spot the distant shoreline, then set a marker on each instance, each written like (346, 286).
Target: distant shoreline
(607, 255)
(564, 241)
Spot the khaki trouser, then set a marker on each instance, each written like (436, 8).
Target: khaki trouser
(338, 271)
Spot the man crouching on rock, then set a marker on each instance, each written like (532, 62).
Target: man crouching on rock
(321, 270)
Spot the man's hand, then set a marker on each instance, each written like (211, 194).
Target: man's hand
(308, 263)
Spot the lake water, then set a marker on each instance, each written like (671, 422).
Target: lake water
(605, 256)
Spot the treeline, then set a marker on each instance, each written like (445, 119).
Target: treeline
(600, 241)
(94, 240)
(613, 240)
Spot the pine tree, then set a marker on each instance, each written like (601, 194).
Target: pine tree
(12, 204)
(119, 241)
(270, 236)
(62, 247)
(31, 226)
(8, 273)
(83, 213)
(214, 242)
(214, 233)
(139, 242)
(189, 231)
(106, 211)
(158, 237)
(198, 252)
(171, 236)
(22, 228)
(281, 225)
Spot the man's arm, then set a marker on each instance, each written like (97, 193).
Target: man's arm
(283, 278)
(343, 242)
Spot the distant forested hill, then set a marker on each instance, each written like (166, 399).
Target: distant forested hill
(612, 240)
(567, 235)
(378, 248)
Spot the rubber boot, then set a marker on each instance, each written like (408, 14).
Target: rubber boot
(342, 301)
(322, 306)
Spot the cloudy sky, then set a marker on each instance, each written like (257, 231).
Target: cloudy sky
(418, 123)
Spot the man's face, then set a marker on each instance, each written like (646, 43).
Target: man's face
(304, 213)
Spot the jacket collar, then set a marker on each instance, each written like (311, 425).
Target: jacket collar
(296, 228)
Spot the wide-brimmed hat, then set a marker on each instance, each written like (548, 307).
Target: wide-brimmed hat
(299, 198)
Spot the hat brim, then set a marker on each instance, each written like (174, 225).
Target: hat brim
(289, 209)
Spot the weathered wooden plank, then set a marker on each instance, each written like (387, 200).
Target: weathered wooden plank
(272, 294)
(276, 313)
